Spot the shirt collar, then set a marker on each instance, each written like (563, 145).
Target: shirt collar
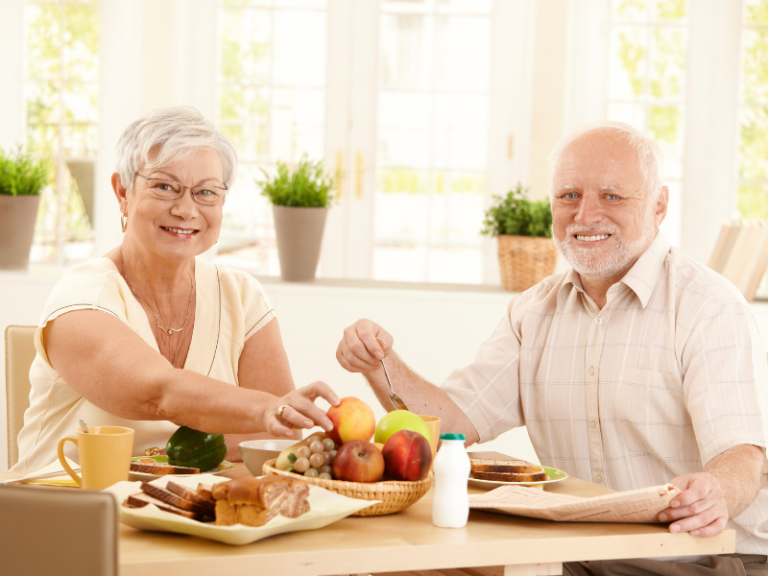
(641, 278)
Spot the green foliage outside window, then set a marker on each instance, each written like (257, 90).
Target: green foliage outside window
(246, 55)
(62, 63)
(412, 181)
(304, 186)
(752, 191)
(516, 215)
(756, 12)
(671, 10)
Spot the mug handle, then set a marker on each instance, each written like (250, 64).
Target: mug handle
(63, 460)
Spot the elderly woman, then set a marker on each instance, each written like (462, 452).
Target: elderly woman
(152, 337)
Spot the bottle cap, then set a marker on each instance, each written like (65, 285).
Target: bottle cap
(452, 437)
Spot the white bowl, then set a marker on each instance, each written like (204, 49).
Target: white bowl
(256, 452)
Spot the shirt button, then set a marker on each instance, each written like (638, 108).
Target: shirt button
(591, 370)
(599, 478)
(598, 320)
(592, 424)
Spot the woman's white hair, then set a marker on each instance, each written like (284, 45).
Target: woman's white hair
(648, 153)
(171, 134)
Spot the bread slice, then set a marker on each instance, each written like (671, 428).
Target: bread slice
(537, 475)
(504, 466)
(140, 500)
(246, 514)
(204, 491)
(173, 499)
(249, 490)
(293, 502)
(190, 495)
(255, 501)
(161, 469)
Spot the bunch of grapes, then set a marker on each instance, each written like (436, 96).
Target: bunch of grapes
(316, 459)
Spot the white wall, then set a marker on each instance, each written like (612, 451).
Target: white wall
(435, 331)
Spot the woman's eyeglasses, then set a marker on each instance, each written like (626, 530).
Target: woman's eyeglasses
(203, 194)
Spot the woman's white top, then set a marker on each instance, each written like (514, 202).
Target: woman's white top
(230, 307)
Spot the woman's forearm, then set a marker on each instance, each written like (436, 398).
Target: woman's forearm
(190, 399)
(123, 376)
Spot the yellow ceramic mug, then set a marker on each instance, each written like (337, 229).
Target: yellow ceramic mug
(433, 424)
(105, 455)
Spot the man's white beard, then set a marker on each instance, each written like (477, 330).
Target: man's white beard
(586, 261)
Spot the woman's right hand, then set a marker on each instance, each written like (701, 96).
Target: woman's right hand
(364, 345)
(299, 410)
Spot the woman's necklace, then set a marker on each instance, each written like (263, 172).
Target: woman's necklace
(169, 331)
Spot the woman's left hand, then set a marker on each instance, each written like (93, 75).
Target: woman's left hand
(297, 410)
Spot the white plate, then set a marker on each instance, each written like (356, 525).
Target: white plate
(553, 475)
(326, 507)
(223, 467)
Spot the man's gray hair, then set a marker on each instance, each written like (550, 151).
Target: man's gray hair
(648, 153)
(172, 134)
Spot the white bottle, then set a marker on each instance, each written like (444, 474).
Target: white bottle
(450, 503)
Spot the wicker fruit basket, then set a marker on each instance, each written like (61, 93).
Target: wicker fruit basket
(395, 495)
(525, 261)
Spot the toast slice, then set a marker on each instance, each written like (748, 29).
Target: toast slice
(173, 499)
(140, 500)
(190, 495)
(161, 469)
(537, 475)
(504, 466)
(204, 491)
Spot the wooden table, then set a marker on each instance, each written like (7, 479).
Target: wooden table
(409, 541)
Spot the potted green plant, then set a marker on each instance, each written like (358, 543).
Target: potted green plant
(300, 197)
(22, 178)
(523, 227)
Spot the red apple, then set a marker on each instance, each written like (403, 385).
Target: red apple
(358, 461)
(407, 456)
(352, 419)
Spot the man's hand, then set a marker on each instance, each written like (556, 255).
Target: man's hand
(700, 509)
(364, 345)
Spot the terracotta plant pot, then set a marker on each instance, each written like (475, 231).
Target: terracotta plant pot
(299, 234)
(18, 215)
(525, 261)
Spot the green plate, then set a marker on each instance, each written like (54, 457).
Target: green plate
(223, 467)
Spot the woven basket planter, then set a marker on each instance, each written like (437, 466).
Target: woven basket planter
(525, 261)
(395, 495)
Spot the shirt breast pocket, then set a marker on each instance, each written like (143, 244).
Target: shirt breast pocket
(645, 415)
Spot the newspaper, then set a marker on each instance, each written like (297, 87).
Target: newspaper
(641, 505)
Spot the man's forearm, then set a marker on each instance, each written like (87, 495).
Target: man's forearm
(739, 471)
(420, 396)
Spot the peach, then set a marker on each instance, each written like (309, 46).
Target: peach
(407, 456)
(352, 419)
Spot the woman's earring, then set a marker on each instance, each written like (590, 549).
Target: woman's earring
(124, 221)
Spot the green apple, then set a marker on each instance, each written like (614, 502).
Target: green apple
(399, 420)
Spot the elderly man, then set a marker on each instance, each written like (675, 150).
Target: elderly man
(637, 367)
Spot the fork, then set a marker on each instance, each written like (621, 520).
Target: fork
(399, 404)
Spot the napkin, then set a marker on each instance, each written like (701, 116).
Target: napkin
(63, 479)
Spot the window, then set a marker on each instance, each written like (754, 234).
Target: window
(61, 93)
(646, 83)
(272, 106)
(752, 189)
(432, 140)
